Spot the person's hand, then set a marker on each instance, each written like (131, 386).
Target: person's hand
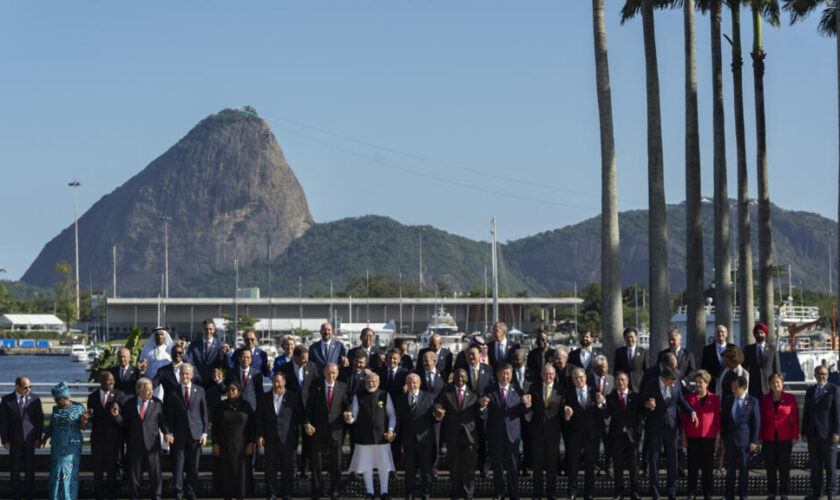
(599, 398)
(6, 445)
(345, 361)
(526, 399)
(717, 444)
(203, 440)
(381, 358)
(216, 450)
(694, 419)
(683, 441)
(804, 438)
(348, 416)
(217, 375)
(405, 389)
(835, 438)
(142, 365)
(651, 404)
(389, 436)
(260, 442)
(568, 412)
(753, 446)
(115, 410)
(84, 418)
(249, 449)
(484, 401)
(451, 377)
(793, 441)
(439, 413)
(224, 350)
(169, 439)
(40, 442)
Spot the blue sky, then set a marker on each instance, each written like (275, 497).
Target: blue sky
(442, 113)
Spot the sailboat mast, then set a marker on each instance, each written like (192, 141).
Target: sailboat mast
(495, 271)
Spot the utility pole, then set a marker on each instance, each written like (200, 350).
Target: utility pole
(421, 261)
(166, 219)
(114, 256)
(75, 185)
(235, 300)
(495, 272)
(300, 303)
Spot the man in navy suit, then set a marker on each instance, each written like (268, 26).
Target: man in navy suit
(739, 424)
(443, 357)
(506, 408)
(584, 356)
(685, 358)
(144, 418)
(392, 374)
(539, 356)
(429, 375)
(500, 349)
(325, 426)
(712, 360)
(327, 350)
(125, 375)
(761, 359)
(546, 430)
(300, 373)
(259, 358)
(186, 411)
(821, 430)
(631, 359)
(416, 430)
(169, 376)
(375, 356)
(479, 378)
(662, 400)
(21, 425)
(667, 360)
(106, 436)
(278, 415)
(582, 431)
(247, 376)
(205, 356)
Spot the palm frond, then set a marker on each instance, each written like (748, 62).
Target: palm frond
(770, 12)
(630, 9)
(828, 22)
(800, 9)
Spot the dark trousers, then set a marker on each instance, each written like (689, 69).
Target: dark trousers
(419, 456)
(280, 458)
(461, 458)
(545, 451)
(701, 457)
(137, 460)
(105, 457)
(577, 443)
(737, 459)
(777, 458)
(481, 463)
(505, 456)
(21, 458)
(623, 454)
(332, 449)
(185, 454)
(657, 440)
(823, 455)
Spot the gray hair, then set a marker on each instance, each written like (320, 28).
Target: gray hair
(578, 369)
(142, 382)
(187, 366)
(413, 375)
(601, 359)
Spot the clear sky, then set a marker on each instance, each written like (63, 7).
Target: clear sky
(435, 112)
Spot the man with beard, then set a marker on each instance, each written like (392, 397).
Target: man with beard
(585, 354)
(374, 420)
(761, 360)
(539, 356)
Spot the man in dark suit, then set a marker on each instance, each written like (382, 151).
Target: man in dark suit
(539, 356)
(325, 426)
(187, 416)
(662, 400)
(443, 357)
(169, 376)
(631, 359)
(546, 428)
(601, 380)
(205, 356)
(277, 418)
(761, 360)
(300, 374)
(416, 431)
(144, 418)
(500, 349)
(392, 374)
(739, 424)
(685, 358)
(480, 378)
(125, 375)
(327, 350)
(521, 379)
(21, 425)
(106, 436)
(585, 354)
(563, 368)
(355, 374)
(259, 358)
(462, 412)
(432, 381)
(821, 430)
(375, 356)
(250, 379)
(621, 413)
(582, 432)
(712, 360)
(667, 360)
(506, 409)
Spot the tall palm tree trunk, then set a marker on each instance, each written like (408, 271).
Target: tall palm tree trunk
(658, 234)
(696, 324)
(723, 287)
(612, 314)
(745, 274)
(765, 240)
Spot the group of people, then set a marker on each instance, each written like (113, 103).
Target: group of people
(492, 406)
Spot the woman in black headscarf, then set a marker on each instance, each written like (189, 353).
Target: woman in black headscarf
(233, 443)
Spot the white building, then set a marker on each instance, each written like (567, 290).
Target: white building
(30, 322)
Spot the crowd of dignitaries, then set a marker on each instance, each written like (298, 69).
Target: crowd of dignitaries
(491, 407)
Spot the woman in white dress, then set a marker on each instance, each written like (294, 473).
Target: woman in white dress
(373, 419)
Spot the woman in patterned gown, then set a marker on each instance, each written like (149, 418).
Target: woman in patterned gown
(233, 443)
(65, 429)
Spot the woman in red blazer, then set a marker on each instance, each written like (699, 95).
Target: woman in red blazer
(703, 439)
(779, 432)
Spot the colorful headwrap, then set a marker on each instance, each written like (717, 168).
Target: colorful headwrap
(61, 390)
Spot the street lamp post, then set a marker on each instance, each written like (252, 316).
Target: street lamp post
(166, 219)
(75, 185)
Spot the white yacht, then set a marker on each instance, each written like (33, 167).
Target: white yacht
(79, 353)
(444, 325)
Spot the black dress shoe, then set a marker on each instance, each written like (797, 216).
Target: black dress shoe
(385, 496)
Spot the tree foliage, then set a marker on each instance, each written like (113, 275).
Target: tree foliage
(65, 294)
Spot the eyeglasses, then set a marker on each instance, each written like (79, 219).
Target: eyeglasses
(177, 353)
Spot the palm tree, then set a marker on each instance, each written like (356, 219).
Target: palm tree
(612, 314)
(745, 285)
(657, 231)
(829, 26)
(769, 9)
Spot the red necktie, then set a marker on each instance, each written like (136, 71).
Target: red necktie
(621, 394)
(329, 396)
(143, 410)
(503, 395)
(187, 395)
(104, 399)
(244, 379)
(461, 397)
(601, 384)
